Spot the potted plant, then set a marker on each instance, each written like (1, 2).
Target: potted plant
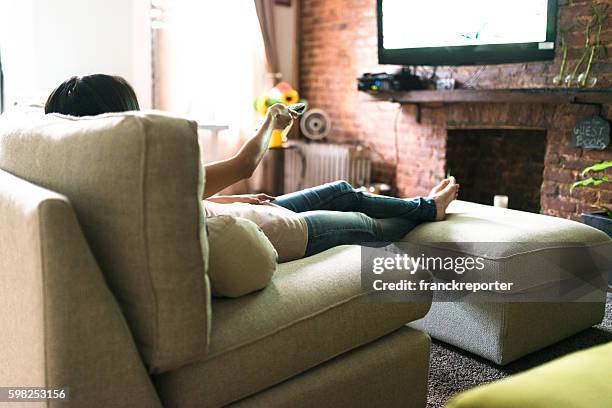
(593, 48)
(601, 220)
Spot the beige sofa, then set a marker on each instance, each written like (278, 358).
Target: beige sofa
(104, 287)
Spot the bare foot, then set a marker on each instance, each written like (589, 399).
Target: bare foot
(438, 187)
(444, 196)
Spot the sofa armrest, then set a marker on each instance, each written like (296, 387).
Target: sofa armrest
(61, 324)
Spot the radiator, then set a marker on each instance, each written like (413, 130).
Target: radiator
(311, 164)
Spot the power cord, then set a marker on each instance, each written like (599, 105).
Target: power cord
(396, 134)
(472, 82)
(394, 188)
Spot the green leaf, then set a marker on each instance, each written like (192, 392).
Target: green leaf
(597, 167)
(594, 181)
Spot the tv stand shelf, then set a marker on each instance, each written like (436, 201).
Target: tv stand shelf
(597, 96)
(531, 95)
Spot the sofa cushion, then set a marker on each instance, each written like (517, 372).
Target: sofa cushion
(471, 223)
(314, 309)
(135, 182)
(532, 251)
(241, 258)
(389, 372)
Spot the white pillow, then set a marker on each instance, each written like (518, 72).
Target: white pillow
(241, 259)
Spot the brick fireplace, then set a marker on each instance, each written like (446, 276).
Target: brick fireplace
(498, 161)
(546, 165)
(338, 44)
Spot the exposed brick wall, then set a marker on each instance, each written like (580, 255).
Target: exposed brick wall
(338, 44)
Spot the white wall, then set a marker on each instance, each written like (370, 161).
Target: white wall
(43, 42)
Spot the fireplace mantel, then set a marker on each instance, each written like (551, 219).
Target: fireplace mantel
(531, 95)
(597, 96)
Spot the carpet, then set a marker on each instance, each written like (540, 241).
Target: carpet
(453, 370)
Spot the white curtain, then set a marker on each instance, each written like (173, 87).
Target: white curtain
(211, 65)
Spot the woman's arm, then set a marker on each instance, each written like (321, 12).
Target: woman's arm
(224, 173)
(260, 198)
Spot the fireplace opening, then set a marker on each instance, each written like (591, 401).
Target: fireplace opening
(489, 162)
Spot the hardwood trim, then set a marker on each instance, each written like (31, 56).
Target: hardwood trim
(535, 95)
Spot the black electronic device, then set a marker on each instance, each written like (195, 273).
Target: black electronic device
(297, 109)
(403, 80)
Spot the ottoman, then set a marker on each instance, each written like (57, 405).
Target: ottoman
(503, 331)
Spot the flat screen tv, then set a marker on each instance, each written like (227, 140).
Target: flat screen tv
(465, 32)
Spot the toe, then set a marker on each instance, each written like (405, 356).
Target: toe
(438, 187)
(450, 187)
(441, 185)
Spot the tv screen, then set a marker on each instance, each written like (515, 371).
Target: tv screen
(465, 32)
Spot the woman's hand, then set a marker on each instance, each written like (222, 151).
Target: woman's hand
(259, 199)
(280, 116)
(224, 173)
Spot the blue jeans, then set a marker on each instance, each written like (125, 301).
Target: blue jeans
(337, 214)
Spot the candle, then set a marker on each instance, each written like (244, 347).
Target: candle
(500, 201)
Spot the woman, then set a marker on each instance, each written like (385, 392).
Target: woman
(298, 224)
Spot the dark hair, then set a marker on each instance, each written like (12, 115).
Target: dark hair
(92, 95)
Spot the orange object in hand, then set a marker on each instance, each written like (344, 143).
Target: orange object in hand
(277, 139)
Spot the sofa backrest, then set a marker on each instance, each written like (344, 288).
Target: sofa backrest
(135, 182)
(61, 325)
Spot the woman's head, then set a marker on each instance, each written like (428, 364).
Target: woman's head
(92, 95)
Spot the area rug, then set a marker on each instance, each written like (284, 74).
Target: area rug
(453, 370)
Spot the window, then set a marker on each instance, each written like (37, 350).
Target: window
(209, 61)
